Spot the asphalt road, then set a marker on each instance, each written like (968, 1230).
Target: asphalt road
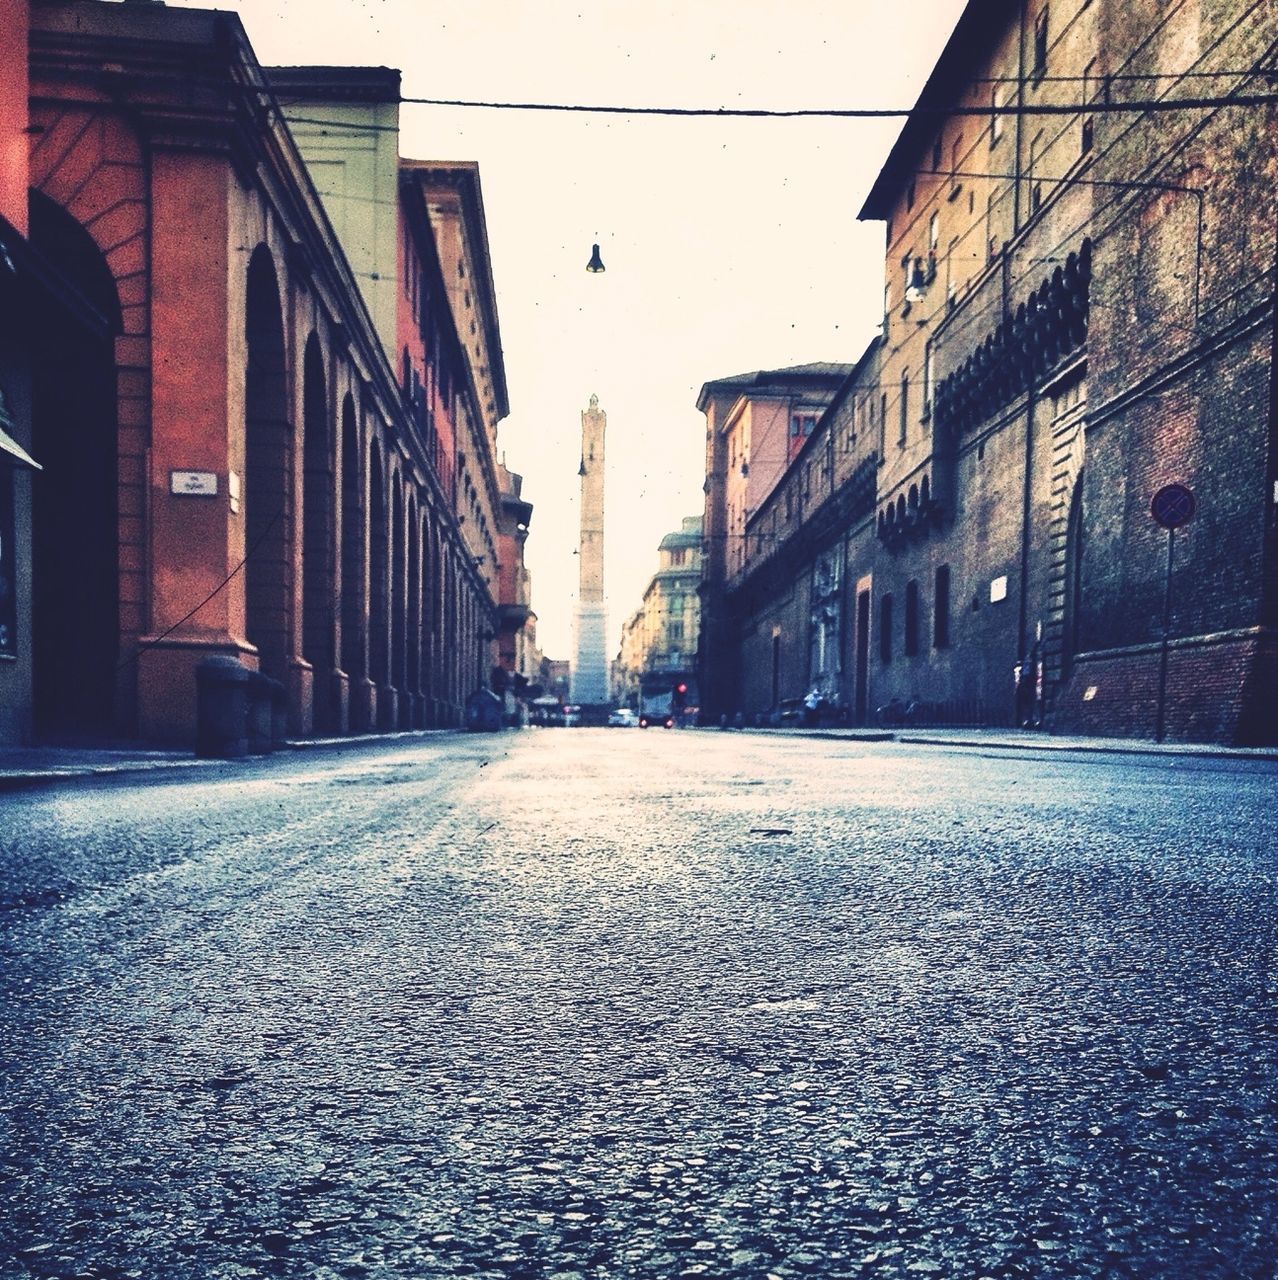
(592, 1003)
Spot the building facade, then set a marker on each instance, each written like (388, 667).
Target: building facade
(1078, 312)
(242, 465)
(590, 643)
(659, 640)
(752, 422)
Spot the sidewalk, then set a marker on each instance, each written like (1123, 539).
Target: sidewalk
(22, 768)
(1027, 740)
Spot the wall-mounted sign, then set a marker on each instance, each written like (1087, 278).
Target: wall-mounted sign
(998, 589)
(201, 484)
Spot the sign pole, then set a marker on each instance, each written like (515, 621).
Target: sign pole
(1172, 506)
(1162, 659)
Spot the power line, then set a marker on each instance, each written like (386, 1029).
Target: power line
(870, 113)
(1094, 106)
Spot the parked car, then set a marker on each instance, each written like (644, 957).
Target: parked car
(788, 712)
(623, 718)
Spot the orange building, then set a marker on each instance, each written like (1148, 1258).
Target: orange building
(236, 466)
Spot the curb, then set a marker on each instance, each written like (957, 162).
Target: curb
(1169, 751)
(12, 780)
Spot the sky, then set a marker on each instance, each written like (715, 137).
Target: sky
(729, 245)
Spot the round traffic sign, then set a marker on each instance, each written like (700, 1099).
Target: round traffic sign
(1172, 506)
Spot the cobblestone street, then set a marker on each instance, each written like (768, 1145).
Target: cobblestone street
(606, 1003)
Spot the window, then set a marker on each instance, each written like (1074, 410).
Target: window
(996, 118)
(941, 608)
(933, 240)
(956, 158)
(909, 196)
(911, 617)
(885, 628)
(1040, 45)
(991, 229)
(1035, 173)
(676, 559)
(936, 156)
(927, 380)
(882, 425)
(905, 409)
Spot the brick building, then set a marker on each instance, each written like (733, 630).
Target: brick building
(659, 640)
(271, 434)
(1079, 299)
(756, 423)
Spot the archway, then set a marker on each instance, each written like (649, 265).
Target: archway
(414, 672)
(75, 498)
(1073, 586)
(318, 635)
(354, 593)
(378, 569)
(268, 493)
(397, 583)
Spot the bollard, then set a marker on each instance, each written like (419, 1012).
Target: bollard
(483, 711)
(279, 714)
(221, 708)
(259, 713)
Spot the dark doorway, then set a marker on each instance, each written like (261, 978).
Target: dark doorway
(318, 636)
(353, 602)
(1073, 579)
(268, 496)
(378, 569)
(76, 579)
(861, 710)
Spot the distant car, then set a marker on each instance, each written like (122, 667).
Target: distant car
(662, 718)
(789, 711)
(623, 718)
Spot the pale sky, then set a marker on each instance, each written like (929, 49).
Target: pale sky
(730, 245)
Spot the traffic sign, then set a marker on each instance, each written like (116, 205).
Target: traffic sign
(1172, 506)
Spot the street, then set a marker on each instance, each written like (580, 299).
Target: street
(620, 1003)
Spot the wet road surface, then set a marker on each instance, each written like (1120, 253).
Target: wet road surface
(596, 1003)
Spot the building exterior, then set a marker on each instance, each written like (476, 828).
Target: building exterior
(1079, 305)
(244, 464)
(517, 656)
(753, 421)
(590, 658)
(27, 298)
(659, 640)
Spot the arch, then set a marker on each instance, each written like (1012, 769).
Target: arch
(1073, 585)
(428, 601)
(413, 672)
(318, 632)
(913, 501)
(925, 493)
(354, 545)
(378, 571)
(398, 610)
(900, 509)
(268, 493)
(75, 498)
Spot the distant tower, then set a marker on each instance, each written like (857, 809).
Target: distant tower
(590, 665)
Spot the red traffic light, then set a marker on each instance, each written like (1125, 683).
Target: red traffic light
(681, 688)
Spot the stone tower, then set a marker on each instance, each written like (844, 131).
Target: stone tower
(590, 662)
